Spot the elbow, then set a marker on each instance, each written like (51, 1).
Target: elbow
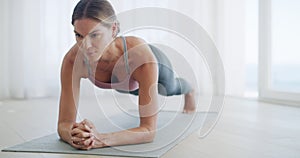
(59, 130)
(149, 136)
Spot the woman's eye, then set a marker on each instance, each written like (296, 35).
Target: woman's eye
(94, 35)
(78, 35)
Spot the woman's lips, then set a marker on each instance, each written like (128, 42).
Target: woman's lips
(90, 53)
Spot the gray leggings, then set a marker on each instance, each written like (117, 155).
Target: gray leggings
(168, 85)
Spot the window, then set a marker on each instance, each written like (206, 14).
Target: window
(285, 63)
(279, 59)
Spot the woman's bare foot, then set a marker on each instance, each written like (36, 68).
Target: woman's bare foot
(189, 103)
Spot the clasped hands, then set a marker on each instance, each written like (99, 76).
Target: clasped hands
(84, 136)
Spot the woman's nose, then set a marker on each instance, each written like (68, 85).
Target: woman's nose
(87, 43)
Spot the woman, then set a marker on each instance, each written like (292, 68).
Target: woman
(126, 64)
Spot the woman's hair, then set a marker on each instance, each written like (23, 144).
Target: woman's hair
(100, 10)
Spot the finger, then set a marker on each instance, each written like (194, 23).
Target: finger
(82, 147)
(77, 140)
(84, 128)
(88, 123)
(87, 142)
(80, 134)
(76, 145)
(75, 131)
(83, 122)
(91, 145)
(75, 125)
(87, 128)
(83, 135)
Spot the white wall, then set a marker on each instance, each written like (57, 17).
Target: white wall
(231, 43)
(4, 92)
(36, 35)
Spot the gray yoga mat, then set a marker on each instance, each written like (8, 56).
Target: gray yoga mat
(172, 128)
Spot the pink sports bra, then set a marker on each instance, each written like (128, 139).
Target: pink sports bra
(128, 84)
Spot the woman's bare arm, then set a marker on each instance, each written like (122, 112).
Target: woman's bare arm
(148, 114)
(70, 83)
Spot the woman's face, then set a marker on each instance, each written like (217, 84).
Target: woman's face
(92, 37)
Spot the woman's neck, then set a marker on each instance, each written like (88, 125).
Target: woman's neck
(111, 54)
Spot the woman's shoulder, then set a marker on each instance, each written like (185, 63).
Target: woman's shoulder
(138, 46)
(133, 41)
(73, 55)
(141, 59)
(73, 60)
(135, 38)
(139, 51)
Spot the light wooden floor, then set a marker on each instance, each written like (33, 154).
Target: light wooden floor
(245, 129)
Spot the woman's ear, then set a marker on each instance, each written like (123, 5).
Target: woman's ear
(115, 29)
